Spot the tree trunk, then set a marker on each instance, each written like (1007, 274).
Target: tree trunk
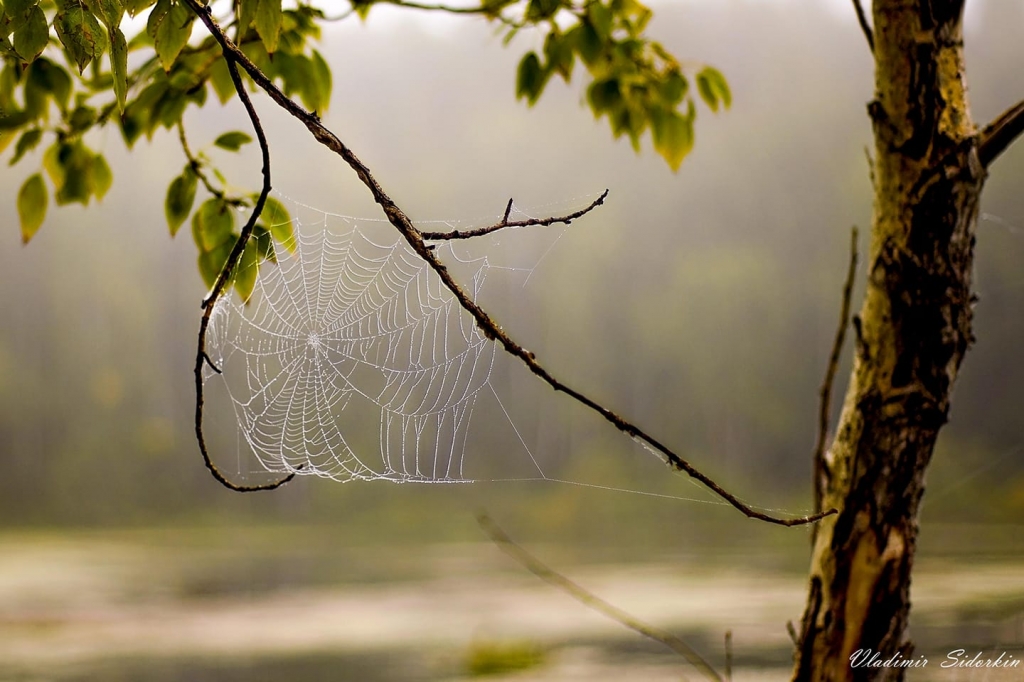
(911, 336)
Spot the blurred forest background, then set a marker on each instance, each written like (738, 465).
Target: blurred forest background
(701, 304)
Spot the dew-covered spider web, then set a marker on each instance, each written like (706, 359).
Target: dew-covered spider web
(351, 360)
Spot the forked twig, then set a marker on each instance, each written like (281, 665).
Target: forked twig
(397, 217)
(543, 222)
(821, 472)
(197, 167)
(221, 284)
(592, 601)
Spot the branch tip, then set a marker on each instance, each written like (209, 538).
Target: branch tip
(534, 565)
(214, 367)
(541, 222)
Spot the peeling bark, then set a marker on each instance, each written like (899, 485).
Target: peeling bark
(913, 331)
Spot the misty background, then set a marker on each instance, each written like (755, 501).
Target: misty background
(701, 305)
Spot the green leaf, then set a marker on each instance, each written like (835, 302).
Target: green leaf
(32, 201)
(30, 39)
(257, 54)
(168, 110)
(246, 13)
(268, 23)
(100, 177)
(322, 80)
(212, 262)
(362, 7)
(77, 185)
(604, 95)
(673, 136)
(713, 88)
(119, 66)
(81, 35)
(290, 40)
(539, 10)
(246, 270)
(14, 120)
(6, 137)
(212, 224)
(35, 94)
(641, 16)
(53, 79)
(673, 88)
(197, 96)
(558, 49)
(52, 163)
(635, 125)
(133, 7)
(232, 141)
(275, 217)
(188, 72)
(82, 118)
(221, 81)
(138, 115)
(181, 194)
(18, 13)
(170, 25)
(9, 77)
(109, 12)
(26, 143)
(600, 17)
(298, 76)
(530, 78)
(264, 243)
(588, 44)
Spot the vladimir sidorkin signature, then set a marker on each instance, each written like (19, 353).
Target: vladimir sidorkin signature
(957, 658)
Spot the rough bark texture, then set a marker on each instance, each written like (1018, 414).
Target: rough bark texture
(912, 333)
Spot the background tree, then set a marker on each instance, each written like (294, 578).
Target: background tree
(935, 291)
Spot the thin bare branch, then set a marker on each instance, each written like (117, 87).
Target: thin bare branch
(998, 135)
(862, 19)
(221, 284)
(544, 222)
(821, 471)
(197, 167)
(592, 601)
(436, 7)
(481, 9)
(398, 218)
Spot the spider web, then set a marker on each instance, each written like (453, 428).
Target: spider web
(349, 329)
(352, 361)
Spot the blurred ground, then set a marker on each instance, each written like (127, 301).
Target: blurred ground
(243, 604)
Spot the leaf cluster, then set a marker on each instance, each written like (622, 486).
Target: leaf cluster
(634, 81)
(68, 68)
(214, 230)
